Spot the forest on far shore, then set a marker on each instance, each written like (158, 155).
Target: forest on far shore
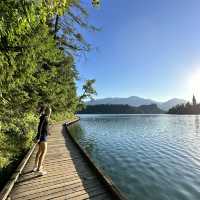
(121, 109)
(186, 109)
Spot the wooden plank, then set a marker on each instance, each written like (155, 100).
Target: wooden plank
(18, 193)
(47, 179)
(52, 181)
(63, 163)
(83, 194)
(54, 171)
(49, 183)
(50, 175)
(55, 161)
(57, 191)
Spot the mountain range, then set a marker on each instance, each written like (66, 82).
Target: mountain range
(137, 101)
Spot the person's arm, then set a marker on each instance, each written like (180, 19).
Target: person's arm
(41, 126)
(46, 126)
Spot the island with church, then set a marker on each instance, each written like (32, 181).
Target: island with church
(186, 109)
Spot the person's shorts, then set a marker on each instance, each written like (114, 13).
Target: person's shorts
(42, 138)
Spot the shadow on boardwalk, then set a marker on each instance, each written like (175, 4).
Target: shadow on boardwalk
(92, 186)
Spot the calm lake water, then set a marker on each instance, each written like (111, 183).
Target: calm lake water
(149, 157)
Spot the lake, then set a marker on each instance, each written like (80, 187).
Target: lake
(148, 157)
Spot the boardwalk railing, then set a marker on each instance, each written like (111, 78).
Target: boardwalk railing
(8, 187)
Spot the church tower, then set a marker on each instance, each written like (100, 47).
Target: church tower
(194, 101)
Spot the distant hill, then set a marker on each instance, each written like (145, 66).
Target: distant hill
(171, 103)
(137, 101)
(132, 101)
(121, 109)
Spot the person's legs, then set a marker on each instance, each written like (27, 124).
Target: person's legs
(43, 146)
(37, 158)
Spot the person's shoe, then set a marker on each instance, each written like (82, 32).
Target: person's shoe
(35, 169)
(42, 172)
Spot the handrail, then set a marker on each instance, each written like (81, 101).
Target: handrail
(11, 182)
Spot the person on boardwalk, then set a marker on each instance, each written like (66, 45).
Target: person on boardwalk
(41, 139)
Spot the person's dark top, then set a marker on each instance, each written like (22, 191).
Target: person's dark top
(43, 126)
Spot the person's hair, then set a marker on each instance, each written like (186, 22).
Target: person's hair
(47, 111)
(42, 109)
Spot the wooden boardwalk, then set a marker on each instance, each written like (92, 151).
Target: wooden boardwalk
(69, 175)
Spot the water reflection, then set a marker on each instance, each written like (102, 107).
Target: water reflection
(197, 124)
(79, 134)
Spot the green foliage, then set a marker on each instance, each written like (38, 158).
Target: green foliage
(88, 89)
(62, 117)
(16, 137)
(37, 53)
(88, 92)
(188, 108)
(120, 109)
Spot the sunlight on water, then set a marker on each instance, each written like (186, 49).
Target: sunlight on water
(154, 157)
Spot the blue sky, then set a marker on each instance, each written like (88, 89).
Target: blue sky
(147, 48)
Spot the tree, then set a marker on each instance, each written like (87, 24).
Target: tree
(39, 42)
(88, 89)
(88, 92)
(187, 108)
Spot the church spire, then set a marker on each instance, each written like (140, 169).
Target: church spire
(194, 100)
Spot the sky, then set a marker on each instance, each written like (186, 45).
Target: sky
(146, 48)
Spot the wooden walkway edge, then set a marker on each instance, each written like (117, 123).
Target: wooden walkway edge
(117, 194)
(71, 174)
